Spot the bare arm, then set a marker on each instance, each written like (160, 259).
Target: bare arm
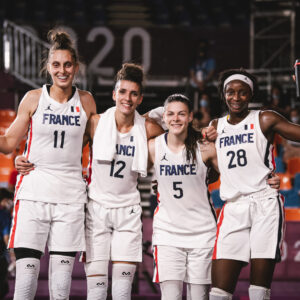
(209, 155)
(152, 129)
(271, 122)
(151, 153)
(18, 129)
(89, 106)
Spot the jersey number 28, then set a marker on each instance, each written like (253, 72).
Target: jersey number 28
(237, 158)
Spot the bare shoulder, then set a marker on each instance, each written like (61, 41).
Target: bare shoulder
(269, 118)
(267, 114)
(30, 101)
(88, 102)
(152, 128)
(33, 95)
(85, 95)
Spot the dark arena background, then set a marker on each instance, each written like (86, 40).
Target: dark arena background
(164, 36)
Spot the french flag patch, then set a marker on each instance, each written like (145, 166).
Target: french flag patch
(249, 126)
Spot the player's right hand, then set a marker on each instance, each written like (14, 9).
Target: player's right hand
(22, 165)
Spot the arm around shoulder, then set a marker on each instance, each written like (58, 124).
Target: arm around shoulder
(153, 129)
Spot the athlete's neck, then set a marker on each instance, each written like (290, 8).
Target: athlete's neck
(176, 142)
(237, 118)
(61, 95)
(124, 122)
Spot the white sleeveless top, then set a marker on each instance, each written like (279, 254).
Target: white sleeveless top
(245, 157)
(184, 216)
(54, 146)
(114, 184)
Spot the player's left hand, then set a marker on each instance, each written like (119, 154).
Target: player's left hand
(209, 133)
(274, 182)
(22, 165)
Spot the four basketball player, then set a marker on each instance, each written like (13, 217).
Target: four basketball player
(49, 201)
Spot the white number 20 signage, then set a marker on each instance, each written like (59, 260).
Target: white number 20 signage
(130, 34)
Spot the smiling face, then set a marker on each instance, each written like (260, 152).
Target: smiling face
(237, 96)
(62, 68)
(127, 95)
(177, 117)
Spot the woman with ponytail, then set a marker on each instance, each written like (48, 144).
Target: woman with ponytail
(49, 201)
(184, 225)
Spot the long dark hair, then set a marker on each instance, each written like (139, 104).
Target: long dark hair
(225, 74)
(193, 135)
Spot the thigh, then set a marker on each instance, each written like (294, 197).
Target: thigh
(31, 225)
(199, 266)
(232, 239)
(170, 263)
(267, 232)
(97, 232)
(67, 228)
(126, 243)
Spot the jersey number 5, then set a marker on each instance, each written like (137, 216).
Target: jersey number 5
(178, 189)
(239, 158)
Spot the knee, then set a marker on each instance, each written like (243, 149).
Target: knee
(96, 268)
(26, 253)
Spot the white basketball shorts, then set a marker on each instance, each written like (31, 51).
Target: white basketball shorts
(113, 233)
(191, 265)
(60, 226)
(251, 227)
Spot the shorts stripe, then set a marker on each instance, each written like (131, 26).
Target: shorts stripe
(281, 228)
(157, 207)
(156, 276)
(212, 207)
(13, 230)
(218, 230)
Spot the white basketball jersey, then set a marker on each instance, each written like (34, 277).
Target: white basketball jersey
(245, 157)
(184, 216)
(54, 146)
(114, 184)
